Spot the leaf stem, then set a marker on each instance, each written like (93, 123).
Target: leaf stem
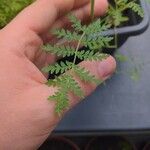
(116, 38)
(92, 9)
(77, 48)
(115, 28)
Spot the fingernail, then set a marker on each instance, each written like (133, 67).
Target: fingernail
(106, 68)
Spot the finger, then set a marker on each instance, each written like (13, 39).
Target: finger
(82, 14)
(101, 70)
(40, 15)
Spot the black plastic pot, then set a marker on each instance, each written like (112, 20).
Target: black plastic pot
(110, 143)
(135, 25)
(59, 143)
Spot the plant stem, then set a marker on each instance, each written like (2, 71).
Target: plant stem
(92, 9)
(77, 48)
(115, 29)
(116, 38)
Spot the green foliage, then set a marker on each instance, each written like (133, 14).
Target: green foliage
(85, 75)
(97, 26)
(135, 74)
(10, 8)
(93, 39)
(61, 99)
(58, 67)
(63, 51)
(121, 57)
(66, 34)
(66, 51)
(115, 15)
(76, 24)
(90, 55)
(83, 35)
(66, 84)
(136, 8)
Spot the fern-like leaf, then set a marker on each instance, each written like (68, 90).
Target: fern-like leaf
(91, 55)
(86, 76)
(58, 67)
(115, 14)
(97, 26)
(76, 24)
(67, 35)
(73, 86)
(99, 42)
(58, 81)
(62, 102)
(136, 8)
(67, 83)
(63, 51)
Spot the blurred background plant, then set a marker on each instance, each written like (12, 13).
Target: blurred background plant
(10, 8)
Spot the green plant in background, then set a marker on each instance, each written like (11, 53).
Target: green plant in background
(92, 38)
(116, 16)
(10, 8)
(116, 12)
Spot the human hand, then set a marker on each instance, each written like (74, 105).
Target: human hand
(26, 116)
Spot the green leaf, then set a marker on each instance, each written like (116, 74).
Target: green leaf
(58, 67)
(73, 86)
(136, 8)
(85, 75)
(121, 58)
(65, 83)
(115, 15)
(135, 74)
(96, 27)
(67, 35)
(76, 23)
(99, 42)
(62, 102)
(91, 55)
(61, 50)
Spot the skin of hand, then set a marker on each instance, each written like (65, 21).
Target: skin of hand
(26, 116)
